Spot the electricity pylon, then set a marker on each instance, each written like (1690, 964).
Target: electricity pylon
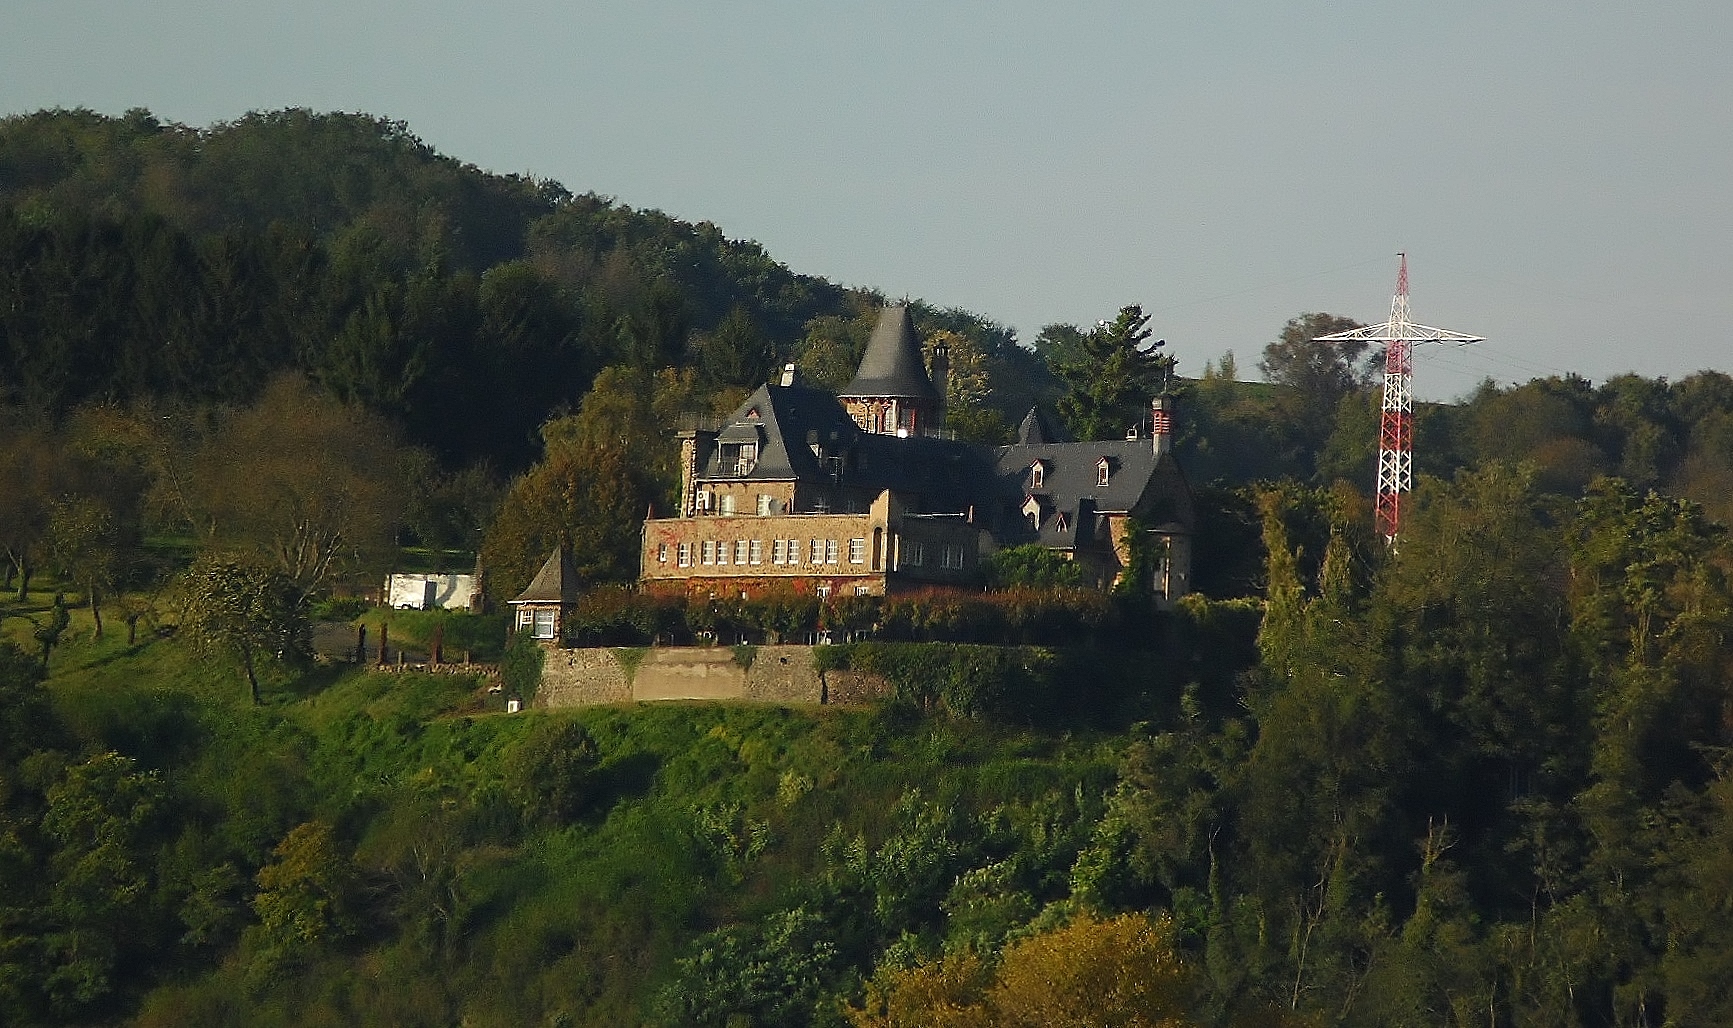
(1396, 428)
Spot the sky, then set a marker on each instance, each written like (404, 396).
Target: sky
(1558, 174)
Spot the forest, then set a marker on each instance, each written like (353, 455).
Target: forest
(1476, 778)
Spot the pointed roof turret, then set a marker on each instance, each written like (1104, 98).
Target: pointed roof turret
(556, 582)
(1037, 430)
(892, 365)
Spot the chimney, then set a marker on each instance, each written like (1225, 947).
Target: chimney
(941, 370)
(1161, 417)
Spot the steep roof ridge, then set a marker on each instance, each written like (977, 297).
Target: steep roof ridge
(892, 365)
(556, 582)
(785, 415)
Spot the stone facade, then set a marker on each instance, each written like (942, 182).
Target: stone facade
(828, 554)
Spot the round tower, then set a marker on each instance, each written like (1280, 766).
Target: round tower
(891, 393)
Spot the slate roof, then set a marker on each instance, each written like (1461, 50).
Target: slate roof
(784, 421)
(936, 475)
(556, 582)
(941, 476)
(1038, 428)
(892, 365)
(1139, 483)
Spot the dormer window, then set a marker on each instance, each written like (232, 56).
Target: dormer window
(1103, 471)
(1032, 513)
(1037, 475)
(740, 458)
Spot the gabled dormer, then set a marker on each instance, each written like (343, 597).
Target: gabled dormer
(1032, 512)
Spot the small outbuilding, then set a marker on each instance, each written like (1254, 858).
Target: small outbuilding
(413, 591)
(544, 607)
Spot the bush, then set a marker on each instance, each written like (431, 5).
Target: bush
(339, 608)
(1032, 565)
(521, 668)
(547, 775)
(961, 680)
(617, 615)
(1018, 616)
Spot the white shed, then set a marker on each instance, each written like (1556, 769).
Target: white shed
(428, 591)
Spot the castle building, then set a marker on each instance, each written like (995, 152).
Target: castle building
(858, 493)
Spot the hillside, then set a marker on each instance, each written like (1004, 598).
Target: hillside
(195, 264)
(1480, 776)
(1485, 771)
(377, 848)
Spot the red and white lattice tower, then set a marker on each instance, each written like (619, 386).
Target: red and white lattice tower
(1396, 429)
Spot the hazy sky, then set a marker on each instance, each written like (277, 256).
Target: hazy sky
(1559, 174)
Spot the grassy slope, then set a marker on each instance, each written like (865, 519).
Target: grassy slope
(583, 920)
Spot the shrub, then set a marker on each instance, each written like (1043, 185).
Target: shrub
(547, 775)
(1031, 565)
(521, 668)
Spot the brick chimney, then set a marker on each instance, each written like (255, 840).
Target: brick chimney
(1161, 418)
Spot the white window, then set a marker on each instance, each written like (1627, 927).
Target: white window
(722, 551)
(779, 551)
(1037, 474)
(685, 555)
(817, 551)
(725, 504)
(1102, 471)
(661, 553)
(861, 590)
(830, 551)
(544, 624)
(739, 551)
(525, 617)
(952, 557)
(766, 504)
(757, 551)
(857, 551)
(823, 591)
(914, 553)
(709, 551)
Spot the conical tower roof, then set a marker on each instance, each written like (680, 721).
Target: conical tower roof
(556, 582)
(892, 365)
(1038, 430)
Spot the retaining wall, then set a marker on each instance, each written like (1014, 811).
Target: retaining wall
(771, 674)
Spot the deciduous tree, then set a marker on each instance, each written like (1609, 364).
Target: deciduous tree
(301, 481)
(245, 611)
(85, 543)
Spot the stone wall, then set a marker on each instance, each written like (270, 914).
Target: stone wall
(689, 673)
(580, 678)
(771, 674)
